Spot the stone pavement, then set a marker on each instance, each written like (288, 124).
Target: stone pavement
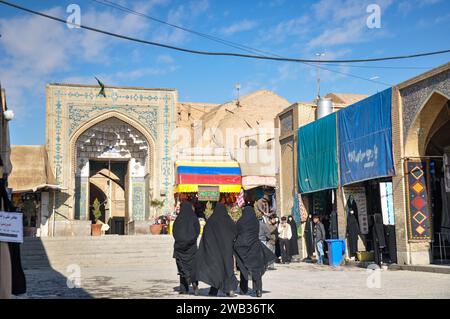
(296, 280)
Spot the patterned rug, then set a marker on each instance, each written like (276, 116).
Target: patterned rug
(419, 212)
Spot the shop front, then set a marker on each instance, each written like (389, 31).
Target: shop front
(421, 124)
(203, 182)
(261, 189)
(33, 190)
(366, 170)
(318, 178)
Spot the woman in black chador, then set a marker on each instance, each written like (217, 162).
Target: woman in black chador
(379, 240)
(352, 226)
(293, 242)
(186, 229)
(309, 240)
(214, 260)
(252, 256)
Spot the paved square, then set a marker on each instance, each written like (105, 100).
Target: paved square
(297, 280)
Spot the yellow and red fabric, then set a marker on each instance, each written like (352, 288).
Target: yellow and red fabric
(190, 175)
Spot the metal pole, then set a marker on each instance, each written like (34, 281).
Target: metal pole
(319, 55)
(53, 213)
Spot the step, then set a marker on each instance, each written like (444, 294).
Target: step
(101, 251)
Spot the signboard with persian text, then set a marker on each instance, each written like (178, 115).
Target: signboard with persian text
(11, 227)
(208, 193)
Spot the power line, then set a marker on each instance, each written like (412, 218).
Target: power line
(382, 66)
(209, 53)
(204, 35)
(227, 42)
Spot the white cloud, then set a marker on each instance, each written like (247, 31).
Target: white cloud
(33, 42)
(182, 16)
(144, 72)
(285, 29)
(36, 50)
(346, 22)
(351, 32)
(164, 58)
(241, 26)
(407, 6)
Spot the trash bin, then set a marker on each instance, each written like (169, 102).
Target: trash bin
(336, 251)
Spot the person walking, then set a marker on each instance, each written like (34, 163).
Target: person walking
(293, 242)
(186, 230)
(252, 256)
(271, 242)
(214, 260)
(319, 238)
(284, 236)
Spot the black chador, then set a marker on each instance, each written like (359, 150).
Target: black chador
(308, 234)
(293, 242)
(252, 256)
(186, 229)
(378, 237)
(352, 226)
(214, 260)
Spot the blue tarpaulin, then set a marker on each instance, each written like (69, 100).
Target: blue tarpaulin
(365, 139)
(317, 156)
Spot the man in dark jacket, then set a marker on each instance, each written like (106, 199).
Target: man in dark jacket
(319, 238)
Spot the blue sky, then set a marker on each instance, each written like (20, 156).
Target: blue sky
(35, 51)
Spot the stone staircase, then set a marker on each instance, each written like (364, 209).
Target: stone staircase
(102, 251)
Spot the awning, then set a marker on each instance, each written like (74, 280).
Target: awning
(317, 157)
(365, 139)
(249, 182)
(40, 188)
(191, 175)
(30, 170)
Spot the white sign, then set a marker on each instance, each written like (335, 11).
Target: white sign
(359, 194)
(387, 203)
(11, 227)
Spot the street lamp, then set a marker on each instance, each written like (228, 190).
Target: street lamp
(237, 87)
(319, 55)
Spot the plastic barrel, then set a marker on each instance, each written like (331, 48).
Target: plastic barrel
(336, 251)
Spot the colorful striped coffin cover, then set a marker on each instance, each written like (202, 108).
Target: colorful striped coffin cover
(190, 175)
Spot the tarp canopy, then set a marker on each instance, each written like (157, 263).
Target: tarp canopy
(30, 169)
(191, 175)
(249, 182)
(365, 139)
(317, 157)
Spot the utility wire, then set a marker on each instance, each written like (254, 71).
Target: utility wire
(227, 42)
(244, 47)
(382, 66)
(241, 47)
(209, 53)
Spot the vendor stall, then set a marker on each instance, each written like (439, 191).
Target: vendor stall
(193, 176)
(202, 182)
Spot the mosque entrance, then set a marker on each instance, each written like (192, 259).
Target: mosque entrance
(108, 183)
(113, 167)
